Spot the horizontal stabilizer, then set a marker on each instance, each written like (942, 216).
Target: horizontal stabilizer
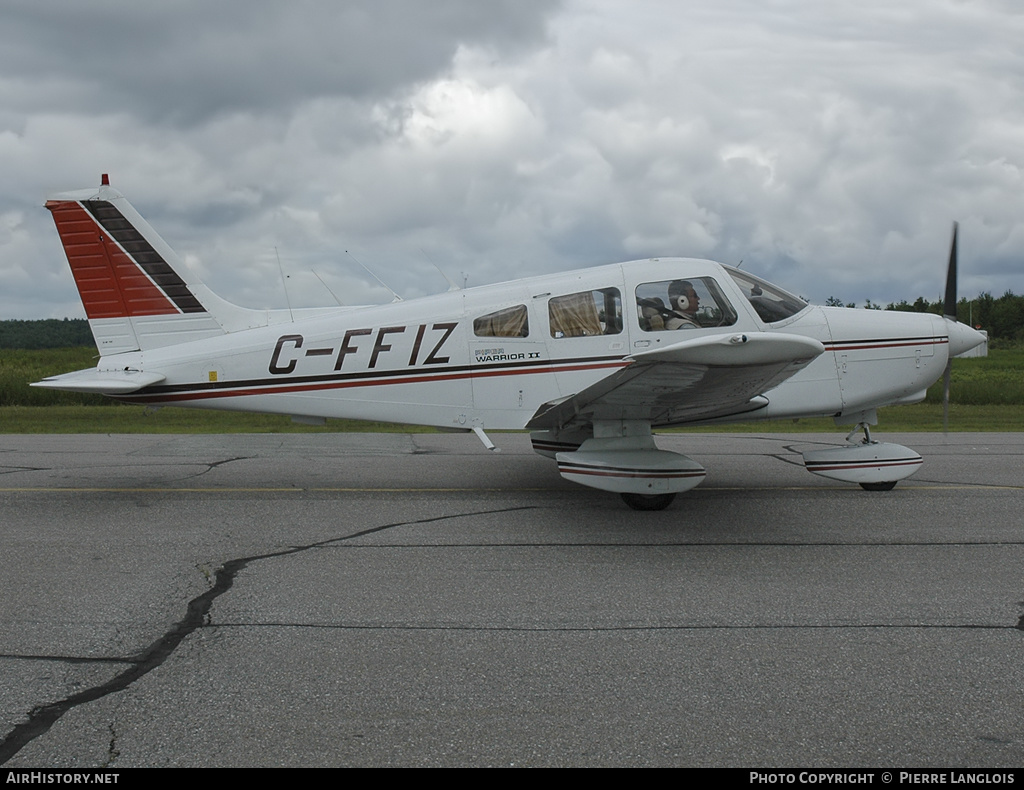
(106, 382)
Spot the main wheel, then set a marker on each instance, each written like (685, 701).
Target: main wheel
(889, 486)
(648, 501)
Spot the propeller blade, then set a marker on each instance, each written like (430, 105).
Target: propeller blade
(949, 305)
(949, 311)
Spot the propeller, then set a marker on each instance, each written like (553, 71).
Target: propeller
(949, 311)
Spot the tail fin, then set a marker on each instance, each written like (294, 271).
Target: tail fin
(136, 292)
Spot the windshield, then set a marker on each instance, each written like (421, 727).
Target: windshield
(769, 301)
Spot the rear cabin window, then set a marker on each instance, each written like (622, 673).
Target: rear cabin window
(696, 303)
(510, 322)
(586, 313)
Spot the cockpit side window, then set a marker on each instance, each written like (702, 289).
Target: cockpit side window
(587, 313)
(695, 303)
(769, 301)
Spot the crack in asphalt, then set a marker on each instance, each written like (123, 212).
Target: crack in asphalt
(786, 459)
(42, 717)
(10, 470)
(69, 659)
(417, 448)
(112, 751)
(213, 465)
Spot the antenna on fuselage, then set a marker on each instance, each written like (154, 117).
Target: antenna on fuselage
(284, 284)
(452, 285)
(325, 285)
(375, 277)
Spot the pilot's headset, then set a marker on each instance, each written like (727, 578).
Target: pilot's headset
(677, 297)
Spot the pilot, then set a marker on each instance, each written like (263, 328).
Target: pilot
(683, 302)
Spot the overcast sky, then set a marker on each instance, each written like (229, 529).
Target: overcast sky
(829, 146)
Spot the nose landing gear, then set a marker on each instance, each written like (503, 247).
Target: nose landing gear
(874, 466)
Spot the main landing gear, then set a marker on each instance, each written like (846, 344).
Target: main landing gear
(621, 457)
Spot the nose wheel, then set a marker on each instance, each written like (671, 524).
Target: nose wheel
(886, 486)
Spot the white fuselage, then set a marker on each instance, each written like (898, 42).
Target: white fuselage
(449, 361)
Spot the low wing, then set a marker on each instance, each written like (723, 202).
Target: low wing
(696, 379)
(101, 382)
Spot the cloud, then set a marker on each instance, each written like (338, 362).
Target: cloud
(828, 147)
(185, 62)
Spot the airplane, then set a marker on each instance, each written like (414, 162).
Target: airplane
(591, 361)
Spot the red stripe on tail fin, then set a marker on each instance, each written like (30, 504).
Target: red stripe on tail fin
(110, 282)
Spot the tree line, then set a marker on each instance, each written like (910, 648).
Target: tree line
(45, 333)
(1001, 317)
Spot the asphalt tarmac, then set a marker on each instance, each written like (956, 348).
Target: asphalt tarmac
(415, 600)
